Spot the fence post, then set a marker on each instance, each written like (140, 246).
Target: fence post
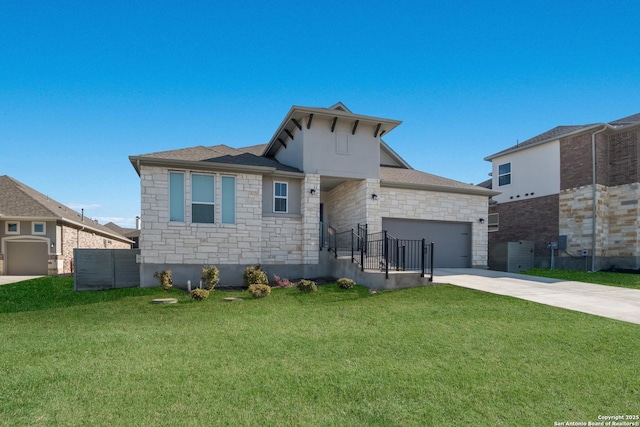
(361, 255)
(422, 258)
(386, 255)
(431, 266)
(397, 255)
(404, 258)
(352, 258)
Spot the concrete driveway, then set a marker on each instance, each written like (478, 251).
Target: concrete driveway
(5, 280)
(606, 301)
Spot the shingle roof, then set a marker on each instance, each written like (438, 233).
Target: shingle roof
(401, 176)
(221, 154)
(20, 200)
(626, 121)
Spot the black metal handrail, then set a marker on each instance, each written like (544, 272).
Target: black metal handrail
(381, 251)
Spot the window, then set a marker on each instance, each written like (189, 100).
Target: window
(504, 174)
(228, 200)
(38, 228)
(280, 197)
(493, 222)
(203, 199)
(12, 227)
(176, 196)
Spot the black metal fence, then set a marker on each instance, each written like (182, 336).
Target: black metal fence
(383, 252)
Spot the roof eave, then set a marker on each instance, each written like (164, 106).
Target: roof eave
(299, 112)
(440, 188)
(545, 141)
(199, 165)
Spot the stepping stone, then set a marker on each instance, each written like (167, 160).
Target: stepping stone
(228, 299)
(165, 301)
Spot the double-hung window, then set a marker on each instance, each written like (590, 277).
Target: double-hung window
(504, 174)
(228, 200)
(280, 196)
(203, 198)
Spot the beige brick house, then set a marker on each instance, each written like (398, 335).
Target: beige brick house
(575, 186)
(271, 204)
(38, 234)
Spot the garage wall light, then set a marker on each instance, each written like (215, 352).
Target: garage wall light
(481, 220)
(374, 196)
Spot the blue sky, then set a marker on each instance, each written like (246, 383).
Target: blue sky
(83, 85)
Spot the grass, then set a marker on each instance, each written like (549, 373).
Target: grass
(436, 355)
(624, 280)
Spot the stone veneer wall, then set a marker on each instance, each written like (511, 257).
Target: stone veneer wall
(73, 238)
(437, 206)
(164, 242)
(617, 224)
(254, 239)
(346, 205)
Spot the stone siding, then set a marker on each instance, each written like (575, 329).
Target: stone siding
(437, 206)
(73, 238)
(254, 238)
(617, 222)
(346, 205)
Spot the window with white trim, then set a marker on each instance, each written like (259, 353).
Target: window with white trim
(280, 196)
(176, 196)
(504, 174)
(12, 227)
(38, 228)
(203, 198)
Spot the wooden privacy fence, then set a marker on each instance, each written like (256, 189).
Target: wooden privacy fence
(97, 269)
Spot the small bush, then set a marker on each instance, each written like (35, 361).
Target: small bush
(259, 290)
(253, 275)
(307, 285)
(165, 279)
(282, 282)
(345, 283)
(199, 294)
(210, 277)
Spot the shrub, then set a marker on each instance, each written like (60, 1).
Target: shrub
(253, 275)
(259, 290)
(282, 283)
(210, 277)
(199, 294)
(307, 285)
(165, 279)
(345, 283)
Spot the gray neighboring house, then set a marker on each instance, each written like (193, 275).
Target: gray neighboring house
(269, 204)
(577, 186)
(132, 234)
(38, 234)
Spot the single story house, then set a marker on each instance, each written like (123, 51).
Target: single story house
(38, 234)
(271, 204)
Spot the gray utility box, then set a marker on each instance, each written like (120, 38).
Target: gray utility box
(513, 257)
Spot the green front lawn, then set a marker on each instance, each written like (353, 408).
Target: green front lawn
(625, 280)
(435, 356)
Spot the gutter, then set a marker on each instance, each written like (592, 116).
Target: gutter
(594, 196)
(439, 188)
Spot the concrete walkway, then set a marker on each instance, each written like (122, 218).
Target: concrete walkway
(606, 301)
(5, 280)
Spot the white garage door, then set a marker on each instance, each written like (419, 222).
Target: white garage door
(452, 240)
(27, 258)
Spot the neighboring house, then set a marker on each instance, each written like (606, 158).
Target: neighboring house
(269, 204)
(38, 234)
(132, 234)
(574, 186)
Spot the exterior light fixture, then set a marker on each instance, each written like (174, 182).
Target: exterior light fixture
(481, 220)
(374, 196)
(313, 191)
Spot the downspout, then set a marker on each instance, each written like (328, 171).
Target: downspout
(594, 197)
